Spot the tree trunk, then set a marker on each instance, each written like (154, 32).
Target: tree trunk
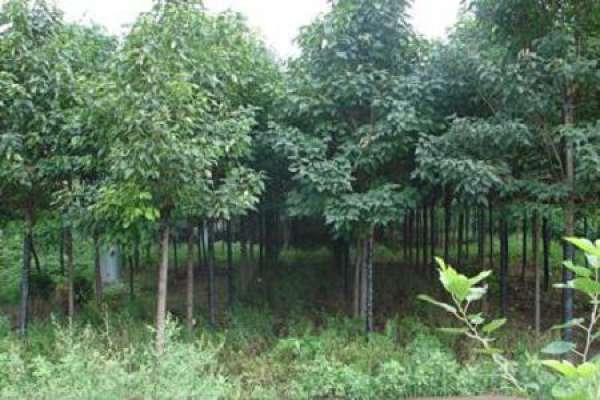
(244, 261)
(358, 262)
(546, 250)
(569, 120)
(432, 231)
(189, 315)
(70, 272)
(212, 290)
(369, 276)
(230, 271)
(97, 270)
(535, 234)
(524, 248)
(175, 258)
(36, 259)
(504, 267)
(161, 303)
(460, 242)
(481, 236)
(25, 273)
(491, 234)
(131, 278)
(418, 237)
(61, 243)
(425, 240)
(467, 235)
(447, 223)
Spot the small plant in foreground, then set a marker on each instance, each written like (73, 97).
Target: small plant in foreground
(580, 382)
(464, 292)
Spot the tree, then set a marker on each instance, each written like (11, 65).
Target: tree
(350, 125)
(173, 129)
(33, 114)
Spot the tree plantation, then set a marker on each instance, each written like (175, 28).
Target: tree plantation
(184, 215)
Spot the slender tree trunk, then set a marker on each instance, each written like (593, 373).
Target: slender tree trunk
(369, 273)
(481, 236)
(524, 248)
(364, 282)
(244, 261)
(504, 267)
(467, 235)
(586, 235)
(70, 272)
(175, 258)
(189, 315)
(131, 278)
(230, 271)
(569, 120)
(97, 269)
(425, 239)
(36, 259)
(447, 223)
(460, 242)
(200, 246)
(546, 251)
(405, 236)
(491, 234)
(411, 237)
(358, 262)
(26, 272)
(161, 303)
(535, 234)
(61, 243)
(212, 292)
(432, 232)
(418, 237)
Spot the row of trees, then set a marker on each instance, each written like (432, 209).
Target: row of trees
(189, 119)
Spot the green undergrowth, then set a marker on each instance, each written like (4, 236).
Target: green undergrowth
(250, 358)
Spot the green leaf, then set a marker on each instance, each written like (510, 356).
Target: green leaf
(572, 323)
(558, 347)
(454, 331)
(588, 286)
(579, 271)
(430, 300)
(480, 277)
(565, 368)
(584, 244)
(494, 325)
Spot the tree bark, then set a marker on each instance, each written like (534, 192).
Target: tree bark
(491, 234)
(369, 276)
(189, 315)
(569, 120)
(131, 278)
(546, 251)
(70, 272)
(26, 272)
(524, 248)
(212, 292)
(97, 270)
(504, 267)
(357, 281)
(447, 223)
(535, 234)
(460, 242)
(230, 271)
(161, 303)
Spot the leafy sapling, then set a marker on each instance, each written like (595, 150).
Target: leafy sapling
(464, 292)
(580, 381)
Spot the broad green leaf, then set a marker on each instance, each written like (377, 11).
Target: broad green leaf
(494, 325)
(430, 300)
(586, 285)
(454, 331)
(579, 271)
(480, 277)
(584, 244)
(572, 323)
(558, 347)
(565, 367)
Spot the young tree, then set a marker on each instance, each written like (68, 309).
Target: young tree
(352, 122)
(174, 129)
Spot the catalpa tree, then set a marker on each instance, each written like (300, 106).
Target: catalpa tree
(351, 121)
(175, 135)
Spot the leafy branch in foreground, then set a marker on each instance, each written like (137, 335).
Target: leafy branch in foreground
(464, 292)
(581, 380)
